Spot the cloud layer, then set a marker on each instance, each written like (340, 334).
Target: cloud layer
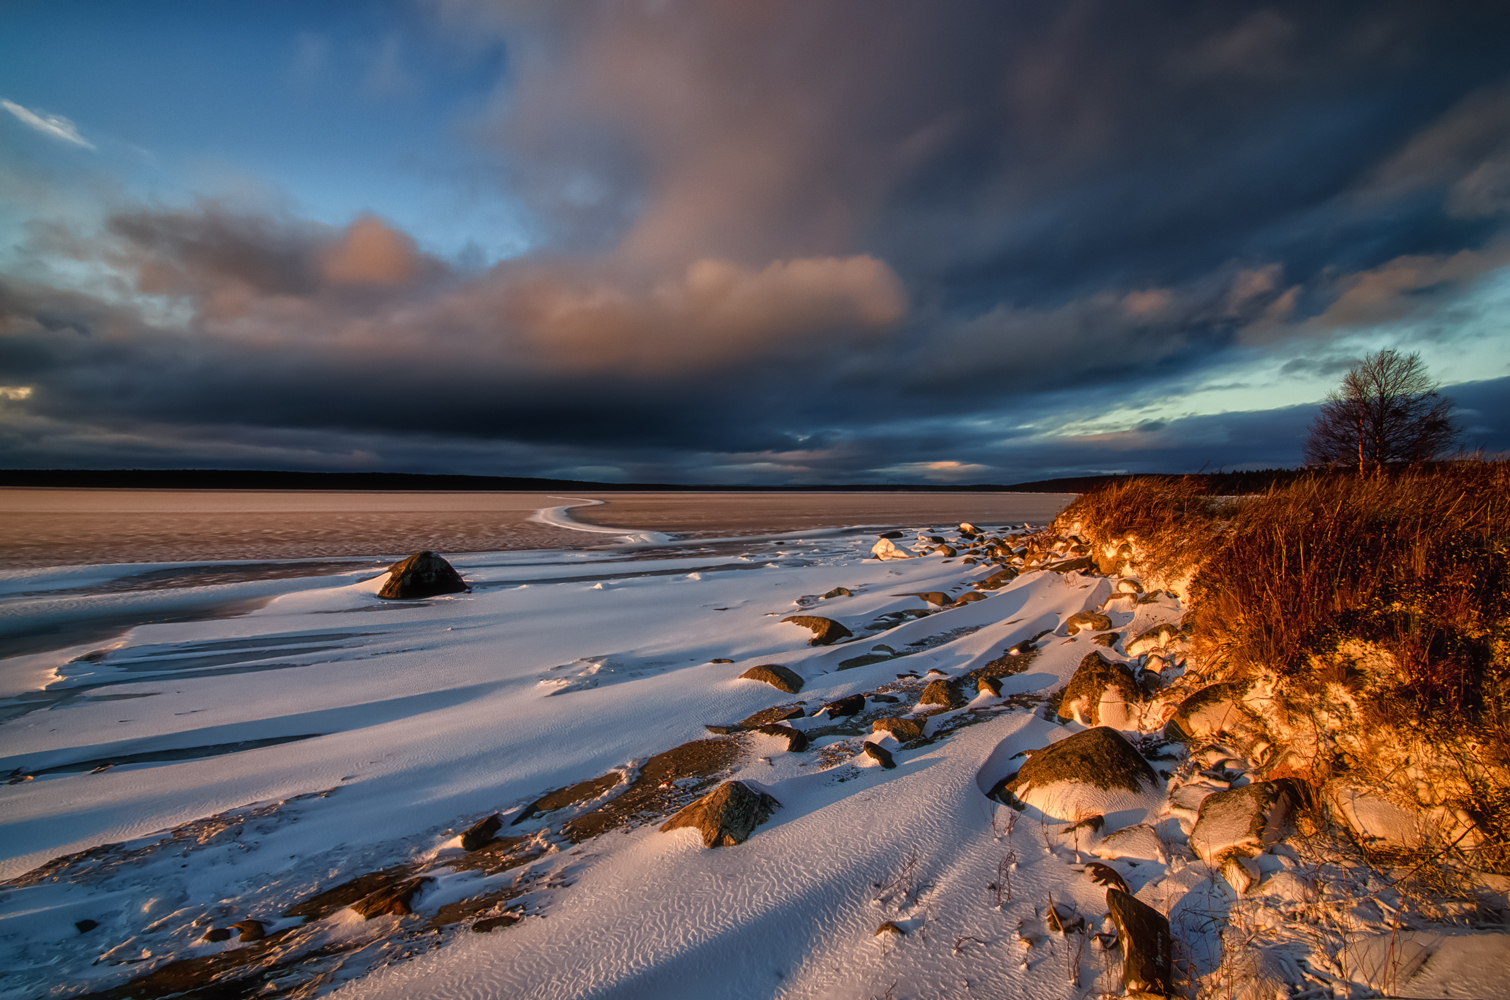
(819, 242)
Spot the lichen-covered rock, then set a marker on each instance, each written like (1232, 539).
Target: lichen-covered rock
(891, 929)
(481, 832)
(942, 692)
(825, 631)
(796, 739)
(423, 574)
(726, 816)
(838, 592)
(904, 730)
(1102, 693)
(885, 548)
(1209, 712)
(779, 677)
(969, 597)
(1093, 621)
(1144, 938)
(1095, 772)
(1244, 822)
(989, 686)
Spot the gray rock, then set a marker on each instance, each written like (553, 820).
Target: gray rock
(779, 677)
(423, 574)
(1143, 935)
(726, 816)
(825, 631)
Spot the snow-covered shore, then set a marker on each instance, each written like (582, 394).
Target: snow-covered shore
(329, 736)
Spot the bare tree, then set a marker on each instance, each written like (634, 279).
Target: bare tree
(1387, 410)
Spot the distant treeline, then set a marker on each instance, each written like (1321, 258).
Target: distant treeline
(1226, 483)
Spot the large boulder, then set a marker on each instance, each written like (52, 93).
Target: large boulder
(1146, 945)
(779, 677)
(725, 816)
(1211, 711)
(1102, 693)
(1242, 823)
(1093, 773)
(825, 631)
(423, 574)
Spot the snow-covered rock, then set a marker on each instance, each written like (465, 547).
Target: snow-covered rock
(1102, 693)
(725, 816)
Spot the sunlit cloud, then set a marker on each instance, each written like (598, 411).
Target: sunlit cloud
(54, 125)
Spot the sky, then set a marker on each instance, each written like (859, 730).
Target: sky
(724, 241)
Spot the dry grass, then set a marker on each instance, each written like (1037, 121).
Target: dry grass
(1413, 565)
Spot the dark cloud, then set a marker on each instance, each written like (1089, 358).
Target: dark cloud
(815, 242)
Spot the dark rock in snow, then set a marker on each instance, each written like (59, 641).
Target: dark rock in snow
(905, 730)
(890, 534)
(880, 755)
(487, 924)
(721, 659)
(997, 580)
(85, 926)
(853, 705)
(1107, 639)
(423, 574)
(935, 597)
(250, 930)
(796, 739)
(988, 686)
(768, 715)
(481, 832)
(941, 692)
(723, 729)
(1080, 565)
(840, 591)
(779, 677)
(890, 928)
(726, 816)
(392, 901)
(1143, 934)
(215, 935)
(969, 597)
(825, 631)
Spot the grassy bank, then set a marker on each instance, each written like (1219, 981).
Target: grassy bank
(1380, 605)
